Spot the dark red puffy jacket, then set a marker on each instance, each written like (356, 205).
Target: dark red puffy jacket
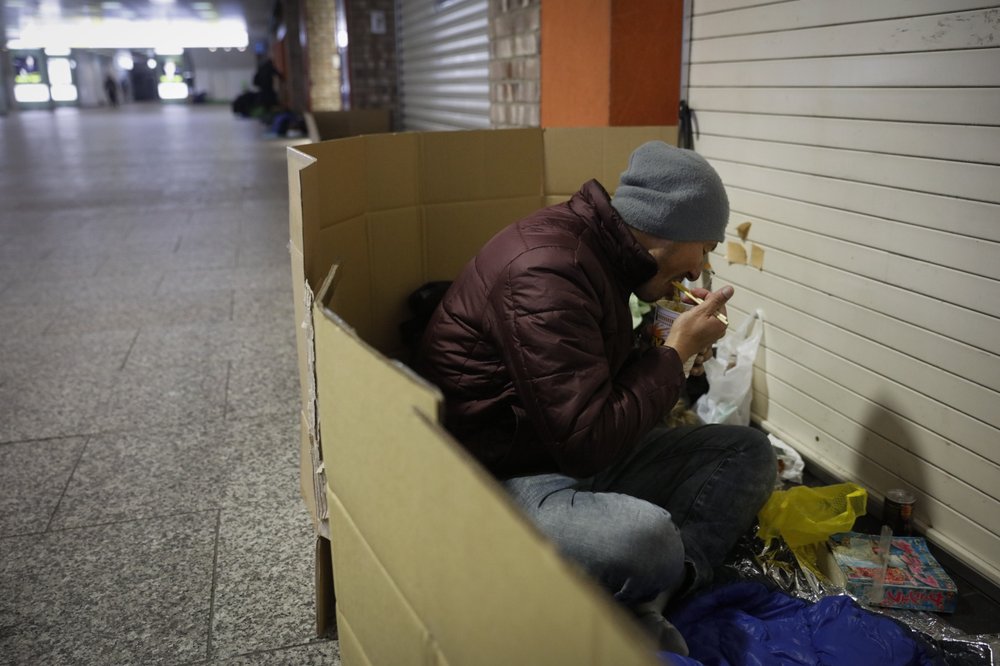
(533, 344)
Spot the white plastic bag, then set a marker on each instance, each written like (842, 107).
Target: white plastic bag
(790, 463)
(730, 374)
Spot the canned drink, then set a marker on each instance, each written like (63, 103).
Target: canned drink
(897, 512)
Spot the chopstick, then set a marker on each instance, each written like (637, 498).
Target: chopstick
(687, 292)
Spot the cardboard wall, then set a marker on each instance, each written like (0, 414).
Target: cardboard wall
(421, 535)
(327, 125)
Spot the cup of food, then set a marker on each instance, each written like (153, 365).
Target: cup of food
(666, 313)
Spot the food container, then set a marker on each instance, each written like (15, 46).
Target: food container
(666, 313)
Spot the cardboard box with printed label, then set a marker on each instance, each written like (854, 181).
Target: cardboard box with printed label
(432, 563)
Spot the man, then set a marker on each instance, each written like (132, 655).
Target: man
(534, 351)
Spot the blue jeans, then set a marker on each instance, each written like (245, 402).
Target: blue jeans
(662, 519)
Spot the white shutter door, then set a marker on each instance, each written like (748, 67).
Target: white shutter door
(444, 52)
(862, 141)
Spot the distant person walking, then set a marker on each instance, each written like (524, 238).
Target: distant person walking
(111, 88)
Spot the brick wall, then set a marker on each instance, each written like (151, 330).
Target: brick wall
(324, 64)
(515, 63)
(372, 55)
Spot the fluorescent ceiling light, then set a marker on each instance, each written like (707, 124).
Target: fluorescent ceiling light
(122, 34)
(172, 90)
(31, 93)
(64, 92)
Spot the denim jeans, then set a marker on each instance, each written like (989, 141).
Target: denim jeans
(662, 519)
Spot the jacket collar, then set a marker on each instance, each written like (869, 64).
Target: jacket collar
(632, 262)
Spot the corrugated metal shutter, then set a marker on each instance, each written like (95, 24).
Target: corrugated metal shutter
(444, 51)
(862, 141)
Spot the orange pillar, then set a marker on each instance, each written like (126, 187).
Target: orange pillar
(610, 62)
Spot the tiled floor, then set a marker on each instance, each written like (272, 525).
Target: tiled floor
(149, 506)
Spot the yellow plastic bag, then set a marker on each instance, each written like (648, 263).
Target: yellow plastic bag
(804, 515)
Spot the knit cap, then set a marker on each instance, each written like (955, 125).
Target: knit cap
(672, 193)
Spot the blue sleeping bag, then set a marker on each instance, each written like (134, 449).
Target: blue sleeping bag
(747, 624)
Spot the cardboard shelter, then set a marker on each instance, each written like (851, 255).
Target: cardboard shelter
(432, 562)
(326, 125)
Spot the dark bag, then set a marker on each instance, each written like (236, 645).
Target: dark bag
(422, 304)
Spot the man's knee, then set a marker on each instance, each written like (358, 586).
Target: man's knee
(757, 461)
(646, 556)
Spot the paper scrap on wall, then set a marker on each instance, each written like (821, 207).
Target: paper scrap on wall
(735, 253)
(743, 230)
(757, 256)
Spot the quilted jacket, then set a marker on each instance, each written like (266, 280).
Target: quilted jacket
(534, 350)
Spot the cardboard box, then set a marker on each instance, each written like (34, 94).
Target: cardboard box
(326, 125)
(914, 580)
(432, 562)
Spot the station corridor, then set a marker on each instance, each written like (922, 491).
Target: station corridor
(149, 495)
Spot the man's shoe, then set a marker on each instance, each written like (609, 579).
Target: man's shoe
(665, 634)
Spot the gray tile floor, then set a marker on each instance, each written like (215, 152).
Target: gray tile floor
(149, 506)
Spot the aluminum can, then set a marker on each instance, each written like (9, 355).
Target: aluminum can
(897, 511)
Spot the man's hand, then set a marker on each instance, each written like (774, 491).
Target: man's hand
(699, 328)
(698, 369)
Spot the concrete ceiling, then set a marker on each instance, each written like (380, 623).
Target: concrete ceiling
(17, 13)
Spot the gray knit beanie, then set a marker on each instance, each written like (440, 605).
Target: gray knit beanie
(672, 193)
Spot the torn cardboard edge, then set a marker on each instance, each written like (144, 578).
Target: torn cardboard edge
(321, 512)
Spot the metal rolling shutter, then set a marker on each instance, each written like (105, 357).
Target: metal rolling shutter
(862, 140)
(444, 51)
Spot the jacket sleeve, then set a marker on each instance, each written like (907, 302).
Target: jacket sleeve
(547, 317)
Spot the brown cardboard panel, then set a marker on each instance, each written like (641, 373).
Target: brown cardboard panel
(514, 165)
(441, 527)
(451, 166)
(397, 268)
(476, 165)
(326, 125)
(391, 169)
(342, 180)
(297, 161)
(325, 599)
(552, 200)
(455, 232)
(381, 619)
(346, 245)
(351, 652)
(350, 366)
(303, 340)
(619, 142)
(572, 157)
(615, 642)
(411, 490)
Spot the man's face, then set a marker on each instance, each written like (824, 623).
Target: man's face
(675, 260)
